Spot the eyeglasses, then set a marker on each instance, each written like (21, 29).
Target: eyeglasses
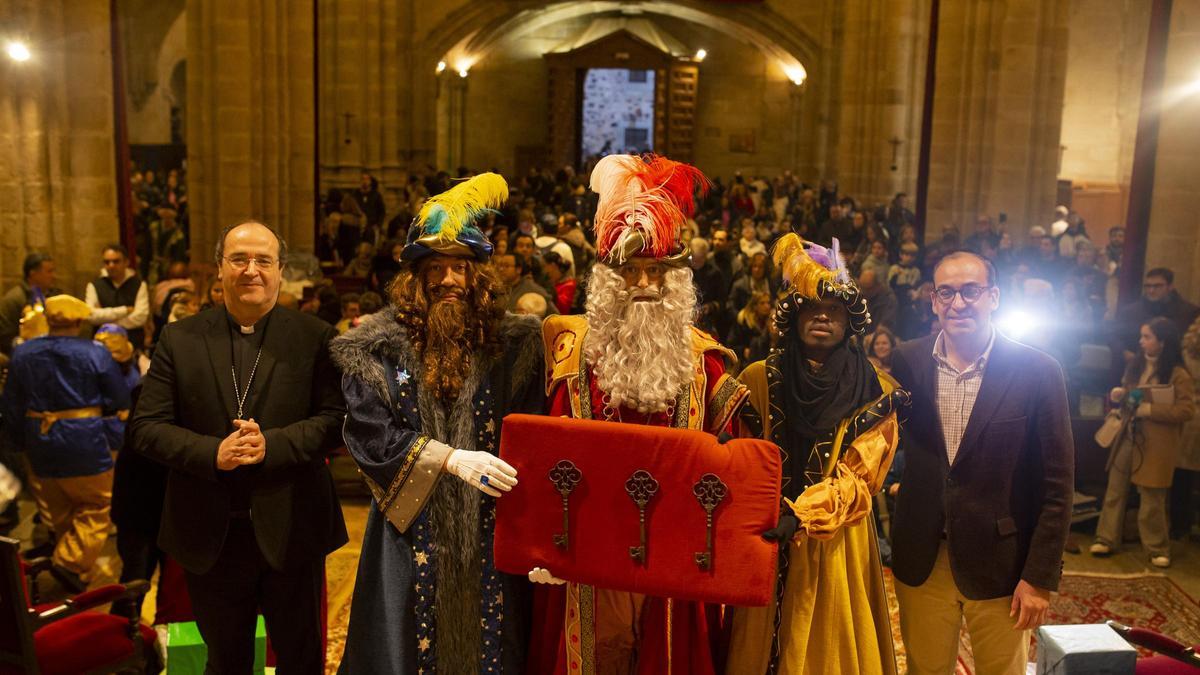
(970, 293)
(241, 262)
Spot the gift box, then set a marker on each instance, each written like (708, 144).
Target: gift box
(1094, 649)
(677, 474)
(187, 653)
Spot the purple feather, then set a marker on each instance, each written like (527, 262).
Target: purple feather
(820, 254)
(843, 274)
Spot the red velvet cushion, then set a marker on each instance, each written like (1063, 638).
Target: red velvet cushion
(86, 642)
(604, 520)
(1163, 665)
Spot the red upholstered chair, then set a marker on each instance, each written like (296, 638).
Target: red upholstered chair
(1171, 658)
(66, 638)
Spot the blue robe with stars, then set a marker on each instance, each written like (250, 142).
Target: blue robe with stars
(428, 598)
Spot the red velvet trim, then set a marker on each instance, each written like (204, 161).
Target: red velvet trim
(1163, 665)
(84, 642)
(172, 604)
(604, 521)
(97, 596)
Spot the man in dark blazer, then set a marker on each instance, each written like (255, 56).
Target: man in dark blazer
(242, 403)
(985, 498)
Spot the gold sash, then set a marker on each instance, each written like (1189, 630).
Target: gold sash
(50, 417)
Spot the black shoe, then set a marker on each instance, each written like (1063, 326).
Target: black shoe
(69, 580)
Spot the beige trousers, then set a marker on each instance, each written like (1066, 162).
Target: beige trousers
(931, 617)
(1151, 518)
(79, 509)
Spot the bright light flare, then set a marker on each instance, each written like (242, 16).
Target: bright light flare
(441, 66)
(18, 51)
(463, 66)
(700, 54)
(1016, 324)
(796, 73)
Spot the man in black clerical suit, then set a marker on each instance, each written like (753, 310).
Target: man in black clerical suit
(242, 403)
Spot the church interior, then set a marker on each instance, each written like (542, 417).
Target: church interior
(1058, 138)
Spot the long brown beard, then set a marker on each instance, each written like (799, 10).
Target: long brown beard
(447, 336)
(447, 358)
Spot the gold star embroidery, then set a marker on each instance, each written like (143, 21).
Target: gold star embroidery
(422, 559)
(490, 426)
(423, 645)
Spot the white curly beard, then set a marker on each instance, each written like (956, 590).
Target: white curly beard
(640, 351)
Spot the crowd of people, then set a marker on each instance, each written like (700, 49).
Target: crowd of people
(848, 325)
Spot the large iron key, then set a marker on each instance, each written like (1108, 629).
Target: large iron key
(641, 487)
(565, 476)
(710, 490)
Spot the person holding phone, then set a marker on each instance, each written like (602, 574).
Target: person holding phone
(1156, 395)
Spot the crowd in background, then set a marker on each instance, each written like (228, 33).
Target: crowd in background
(1057, 279)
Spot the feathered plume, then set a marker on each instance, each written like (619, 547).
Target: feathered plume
(448, 214)
(650, 196)
(805, 265)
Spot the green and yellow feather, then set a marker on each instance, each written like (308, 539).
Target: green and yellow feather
(446, 215)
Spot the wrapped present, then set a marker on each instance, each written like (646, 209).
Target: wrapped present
(187, 653)
(1094, 649)
(663, 512)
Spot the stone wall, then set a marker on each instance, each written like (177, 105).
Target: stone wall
(57, 156)
(1174, 239)
(251, 125)
(1103, 89)
(997, 112)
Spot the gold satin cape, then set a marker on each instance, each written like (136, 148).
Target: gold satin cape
(835, 616)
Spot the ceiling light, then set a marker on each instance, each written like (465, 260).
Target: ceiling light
(17, 51)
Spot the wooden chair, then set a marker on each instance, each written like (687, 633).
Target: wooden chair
(68, 637)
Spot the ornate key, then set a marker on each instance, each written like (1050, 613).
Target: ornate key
(565, 477)
(709, 491)
(641, 487)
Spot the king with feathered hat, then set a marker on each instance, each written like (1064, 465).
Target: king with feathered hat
(835, 419)
(428, 381)
(634, 357)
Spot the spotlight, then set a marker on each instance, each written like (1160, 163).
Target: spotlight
(441, 66)
(463, 66)
(17, 51)
(700, 54)
(462, 72)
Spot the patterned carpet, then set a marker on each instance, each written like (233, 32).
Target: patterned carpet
(1146, 600)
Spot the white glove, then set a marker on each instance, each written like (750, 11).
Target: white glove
(471, 466)
(541, 575)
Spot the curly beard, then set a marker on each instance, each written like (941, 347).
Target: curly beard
(449, 336)
(640, 350)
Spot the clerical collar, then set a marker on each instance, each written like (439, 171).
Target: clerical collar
(247, 330)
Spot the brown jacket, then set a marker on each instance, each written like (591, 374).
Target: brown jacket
(1157, 438)
(1004, 507)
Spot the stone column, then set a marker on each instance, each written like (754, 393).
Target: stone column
(250, 119)
(882, 77)
(1174, 238)
(57, 157)
(363, 53)
(1001, 67)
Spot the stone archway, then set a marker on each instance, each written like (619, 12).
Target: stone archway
(472, 39)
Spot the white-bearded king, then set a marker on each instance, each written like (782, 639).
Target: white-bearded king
(635, 357)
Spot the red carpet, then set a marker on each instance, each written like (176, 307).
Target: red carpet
(1151, 601)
